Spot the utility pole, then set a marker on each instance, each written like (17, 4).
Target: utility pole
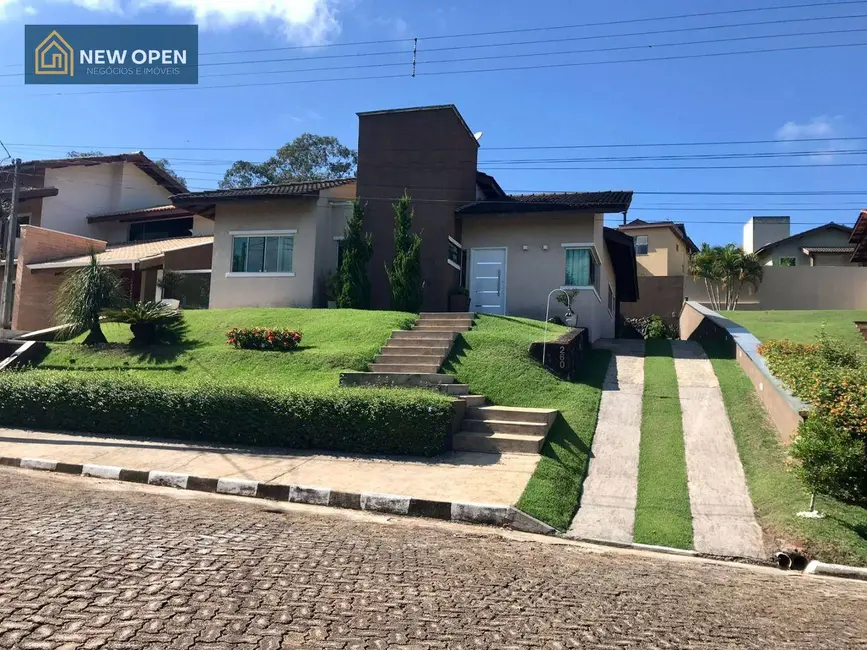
(9, 269)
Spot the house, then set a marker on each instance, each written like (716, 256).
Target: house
(69, 205)
(276, 245)
(858, 240)
(661, 248)
(770, 239)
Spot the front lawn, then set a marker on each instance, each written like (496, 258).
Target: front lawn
(493, 359)
(801, 326)
(776, 492)
(333, 340)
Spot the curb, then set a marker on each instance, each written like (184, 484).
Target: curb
(835, 570)
(635, 546)
(474, 513)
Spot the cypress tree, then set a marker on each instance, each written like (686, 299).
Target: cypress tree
(404, 276)
(357, 249)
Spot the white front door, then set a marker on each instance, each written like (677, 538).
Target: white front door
(488, 280)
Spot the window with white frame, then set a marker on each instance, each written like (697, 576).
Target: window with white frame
(260, 252)
(582, 267)
(641, 246)
(612, 303)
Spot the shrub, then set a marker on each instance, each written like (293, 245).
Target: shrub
(259, 338)
(149, 322)
(375, 421)
(83, 295)
(652, 327)
(354, 281)
(831, 443)
(404, 275)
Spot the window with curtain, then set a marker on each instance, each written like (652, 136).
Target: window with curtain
(581, 268)
(641, 246)
(262, 253)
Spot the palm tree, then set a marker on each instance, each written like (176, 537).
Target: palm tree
(82, 297)
(725, 270)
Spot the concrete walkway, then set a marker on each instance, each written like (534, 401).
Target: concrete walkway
(457, 476)
(608, 502)
(722, 512)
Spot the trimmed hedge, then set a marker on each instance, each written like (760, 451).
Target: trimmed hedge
(373, 421)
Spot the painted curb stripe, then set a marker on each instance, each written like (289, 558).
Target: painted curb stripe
(101, 471)
(38, 463)
(372, 502)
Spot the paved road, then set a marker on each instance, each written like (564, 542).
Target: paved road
(89, 565)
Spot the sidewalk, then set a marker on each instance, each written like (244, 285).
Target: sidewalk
(458, 476)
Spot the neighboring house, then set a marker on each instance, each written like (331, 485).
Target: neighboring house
(661, 249)
(826, 245)
(110, 200)
(858, 240)
(274, 245)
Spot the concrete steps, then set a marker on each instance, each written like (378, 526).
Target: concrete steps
(497, 443)
(411, 359)
(405, 368)
(503, 429)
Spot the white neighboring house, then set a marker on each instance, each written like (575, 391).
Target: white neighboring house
(116, 200)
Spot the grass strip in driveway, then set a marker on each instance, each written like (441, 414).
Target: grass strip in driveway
(662, 514)
(493, 359)
(777, 494)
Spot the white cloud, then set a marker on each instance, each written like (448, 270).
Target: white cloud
(307, 22)
(818, 127)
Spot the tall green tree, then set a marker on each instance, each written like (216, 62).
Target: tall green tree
(404, 276)
(308, 157)
(725, 270)
(82, 297)
(357, 249)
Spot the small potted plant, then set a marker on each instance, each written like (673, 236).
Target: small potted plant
(459, 300)
(566, 298)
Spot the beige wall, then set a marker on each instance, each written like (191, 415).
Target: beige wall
(793, 249)
(531, 274)
(34, 291)
(801, 287)
(315, 251)
(666, 253)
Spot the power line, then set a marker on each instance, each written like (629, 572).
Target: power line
(180, 88)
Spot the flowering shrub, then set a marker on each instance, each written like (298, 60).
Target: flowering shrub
(260, 338)
(832, 378)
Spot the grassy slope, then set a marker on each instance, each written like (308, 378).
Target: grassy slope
(777, 494)
(495, 362)
(662, 514)
(334, 340)
(801, 326)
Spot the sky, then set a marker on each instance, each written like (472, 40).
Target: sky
(584, 88)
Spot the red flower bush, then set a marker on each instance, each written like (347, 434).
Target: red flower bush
(260, 338)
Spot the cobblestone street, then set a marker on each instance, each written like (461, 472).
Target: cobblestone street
(88, 564)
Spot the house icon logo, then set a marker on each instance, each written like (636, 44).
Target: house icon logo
(54, 56)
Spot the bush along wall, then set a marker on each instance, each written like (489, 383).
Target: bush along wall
(349, 420)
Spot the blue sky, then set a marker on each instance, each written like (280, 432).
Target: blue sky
(776, 96)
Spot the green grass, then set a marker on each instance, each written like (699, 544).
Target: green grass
(662, 514)
(334, 340)
(801, 326)
(493, 359)
(777, 494)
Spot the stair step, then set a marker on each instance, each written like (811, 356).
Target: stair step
(454, 389)
(506, 426)
(474, 400)
(443, 315)
(408, 346)
(423, 335)
(423, 327)
(412, 359)
(497, 443)
(447, 322)
(405, 368)
(436, 380)
(513, 414)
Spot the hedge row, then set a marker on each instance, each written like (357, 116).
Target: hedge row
(374, 421)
